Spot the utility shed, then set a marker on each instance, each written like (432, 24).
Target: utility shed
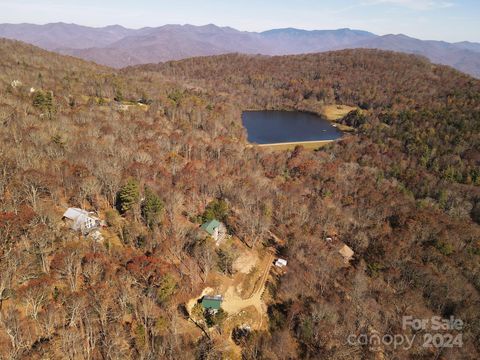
(215, 229)
(212, 303)
(281, 263)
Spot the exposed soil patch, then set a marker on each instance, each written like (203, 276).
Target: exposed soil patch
(245, 262)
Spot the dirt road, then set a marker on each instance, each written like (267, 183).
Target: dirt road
(233, 303)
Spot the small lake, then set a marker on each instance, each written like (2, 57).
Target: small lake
(271, 127)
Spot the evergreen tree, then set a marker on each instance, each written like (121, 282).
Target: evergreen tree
(166, 289)
(217, 318)
(151, 208)
(217, 209)
(44, 101)
(128, 195)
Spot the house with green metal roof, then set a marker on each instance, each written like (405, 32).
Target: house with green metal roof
(216, 230)
(212, 303)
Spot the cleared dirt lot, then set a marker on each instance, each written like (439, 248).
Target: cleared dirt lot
(238, 295)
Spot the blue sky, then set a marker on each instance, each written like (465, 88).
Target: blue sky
(451, 20)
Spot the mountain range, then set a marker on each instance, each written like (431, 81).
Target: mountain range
(117, 46)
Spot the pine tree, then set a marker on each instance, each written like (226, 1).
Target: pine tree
(44, 101)
(128, 195)
(151, 208)
(217, 209)
(166, 289)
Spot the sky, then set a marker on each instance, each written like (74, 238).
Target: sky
(449, 20)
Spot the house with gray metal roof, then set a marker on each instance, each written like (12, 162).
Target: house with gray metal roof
(81, 220)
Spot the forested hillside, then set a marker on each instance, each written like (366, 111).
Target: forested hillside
(155, 150)
(118, 46)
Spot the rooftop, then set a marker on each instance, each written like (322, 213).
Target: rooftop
(210, 226)
(74, 213)
(212, 302)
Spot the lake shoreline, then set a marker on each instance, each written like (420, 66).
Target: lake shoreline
(292, 145)
(297, 143)
(332, 113)
(276, 128)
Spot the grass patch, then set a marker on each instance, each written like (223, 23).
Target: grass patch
(336, 112)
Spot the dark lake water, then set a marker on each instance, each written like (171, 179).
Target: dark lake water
(270, 127)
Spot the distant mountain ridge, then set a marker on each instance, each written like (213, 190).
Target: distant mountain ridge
(118, 46)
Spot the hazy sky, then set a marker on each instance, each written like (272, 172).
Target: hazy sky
(451, 20)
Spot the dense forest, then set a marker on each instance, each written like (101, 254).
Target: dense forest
(155, 150)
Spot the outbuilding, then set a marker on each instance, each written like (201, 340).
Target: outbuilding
(216, 229)
(212, 303)
(281, 263)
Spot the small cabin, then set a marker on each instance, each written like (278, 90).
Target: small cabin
(281, 263)
(212, 303)
(81, 220)
(216, 230)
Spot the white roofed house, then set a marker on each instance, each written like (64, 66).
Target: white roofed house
(81, 220)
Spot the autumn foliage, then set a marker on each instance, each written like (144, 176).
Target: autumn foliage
(402, 192)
